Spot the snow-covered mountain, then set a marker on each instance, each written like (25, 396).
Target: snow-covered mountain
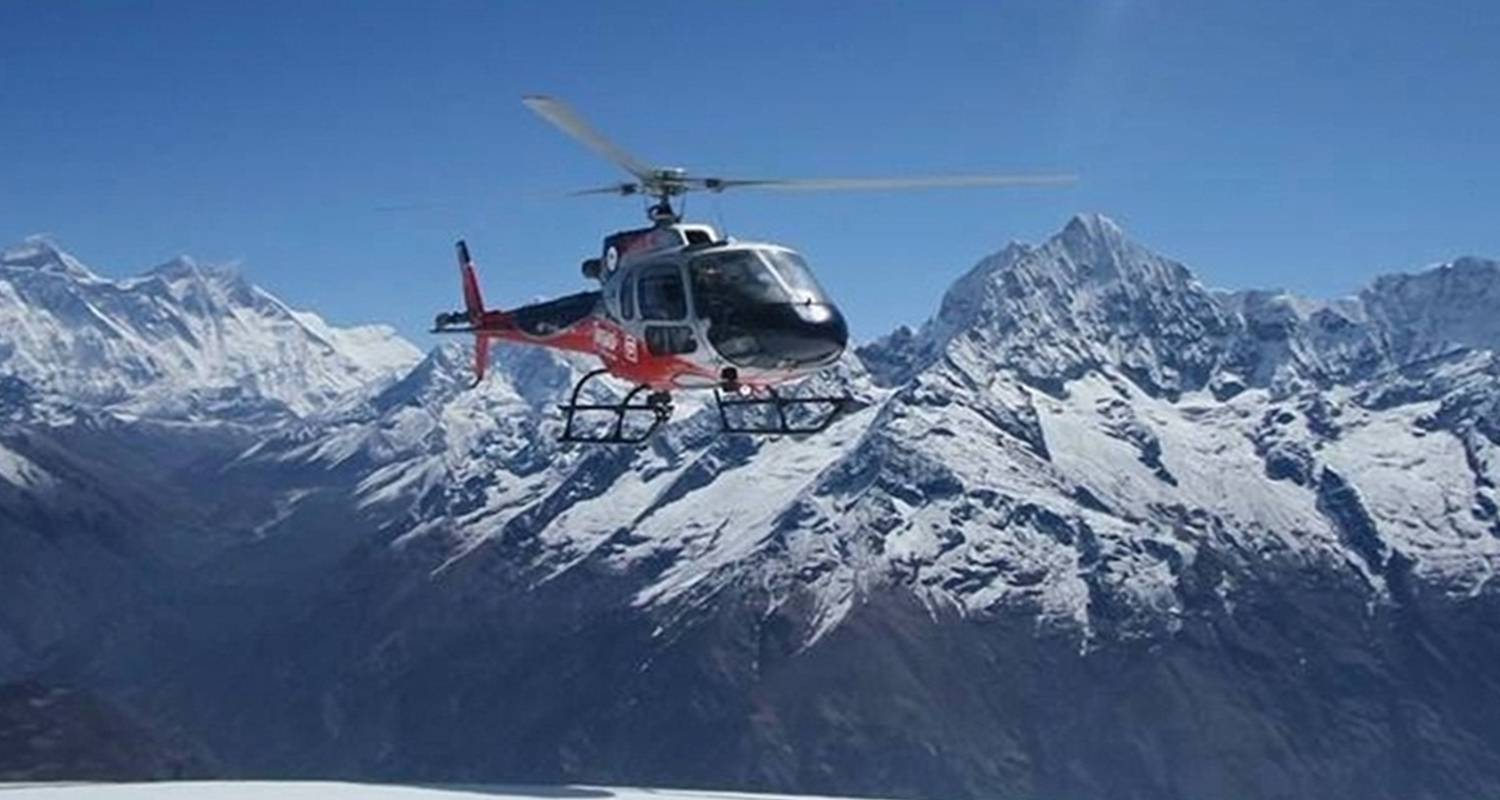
(180, 340)
(1097, 530)
(1049, 431)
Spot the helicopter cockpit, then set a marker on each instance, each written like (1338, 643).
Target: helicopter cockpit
(757, 306)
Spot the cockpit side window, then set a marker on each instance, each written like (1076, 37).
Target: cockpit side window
(627, 296)
(662, 296)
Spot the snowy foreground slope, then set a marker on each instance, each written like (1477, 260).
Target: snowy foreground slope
(1097, 531)
(318, 790)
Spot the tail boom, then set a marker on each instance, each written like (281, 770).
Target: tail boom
(566, 323)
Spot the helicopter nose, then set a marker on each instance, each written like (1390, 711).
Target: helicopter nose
(780, 335)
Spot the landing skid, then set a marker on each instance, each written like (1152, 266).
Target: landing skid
(657, 404)
(778, 424)
(784, 418)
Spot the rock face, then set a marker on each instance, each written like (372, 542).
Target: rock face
(1097, 532)
(56, 733)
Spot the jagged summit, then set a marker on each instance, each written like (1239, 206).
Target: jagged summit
(1090, 298)
(1093, 225)
(43, 254)
(186, 268)
(182, 266)
(437, 378)
(1087, 297)
(1449, 306)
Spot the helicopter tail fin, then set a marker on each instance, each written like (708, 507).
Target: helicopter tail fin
(473, 301)
(474, 307)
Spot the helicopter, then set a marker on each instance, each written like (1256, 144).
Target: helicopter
(682, 307)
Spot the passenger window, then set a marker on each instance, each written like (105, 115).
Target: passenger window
(627, 296)
(667, 340)
(661, 294)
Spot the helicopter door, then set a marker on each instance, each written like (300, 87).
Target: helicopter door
(627, 296)
(663, 300)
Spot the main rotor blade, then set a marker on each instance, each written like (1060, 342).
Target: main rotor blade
(857, 184)
(622, 189)
(559, 114)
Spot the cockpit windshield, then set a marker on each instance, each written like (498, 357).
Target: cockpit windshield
(795, 274)
(733, 279)
(739, 278)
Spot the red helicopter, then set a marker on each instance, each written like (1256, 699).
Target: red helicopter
(682, 307)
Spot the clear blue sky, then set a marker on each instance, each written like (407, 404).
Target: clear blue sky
(1300, 144)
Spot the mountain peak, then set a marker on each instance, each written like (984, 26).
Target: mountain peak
(435, 379)
(177, 339)
(185, 267)
(180, 267)
(1446, 306)
(43, 254)
(1097, 243)
(1093, 226)
(1087, 297)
